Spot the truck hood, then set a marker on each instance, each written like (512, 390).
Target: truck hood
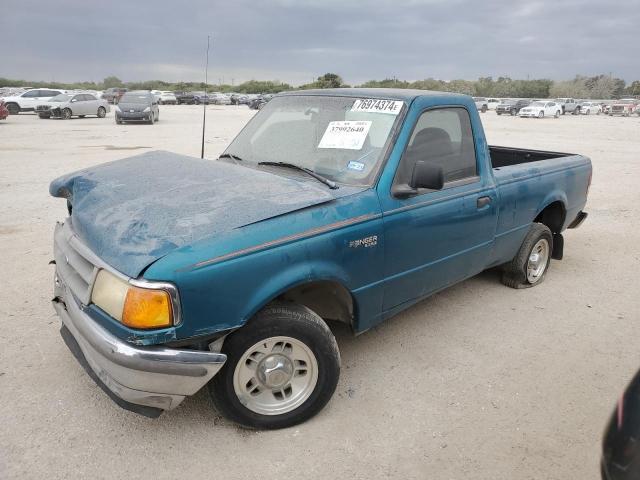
(134, 211)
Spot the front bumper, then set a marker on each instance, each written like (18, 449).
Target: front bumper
(156, 377)
(133, 117)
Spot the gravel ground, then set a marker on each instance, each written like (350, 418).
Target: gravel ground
(477, 382)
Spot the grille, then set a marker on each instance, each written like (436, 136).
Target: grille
(42, 108)
(74, 262)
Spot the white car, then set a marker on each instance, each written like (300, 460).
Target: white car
(218, 98)
(481, 104)
(588, 108)
(27, 101)
(541, 109)
(68, 105)
(167, 98)
(492, 103)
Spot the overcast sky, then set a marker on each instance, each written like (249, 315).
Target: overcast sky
(297, 40)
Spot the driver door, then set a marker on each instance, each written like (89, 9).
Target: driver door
(435, 238)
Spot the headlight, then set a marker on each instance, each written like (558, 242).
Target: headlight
(148, 109)
(135, 307)
(118, 109)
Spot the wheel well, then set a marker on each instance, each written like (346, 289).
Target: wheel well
(330, 300)
(552, 216)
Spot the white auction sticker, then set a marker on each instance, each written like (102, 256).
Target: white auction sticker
(392, 107)
(349, 135)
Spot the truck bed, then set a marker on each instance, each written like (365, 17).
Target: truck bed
(507, 156)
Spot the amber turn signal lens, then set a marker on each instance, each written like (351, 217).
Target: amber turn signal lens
(144, 308)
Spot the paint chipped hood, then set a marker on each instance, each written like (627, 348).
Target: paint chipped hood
(134, 211)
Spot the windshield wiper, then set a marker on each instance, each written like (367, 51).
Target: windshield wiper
(231, 156)
(331, 184)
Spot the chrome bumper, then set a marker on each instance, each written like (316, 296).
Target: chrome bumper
(157, 377)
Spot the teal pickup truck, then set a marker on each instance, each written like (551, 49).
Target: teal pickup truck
(346, 205)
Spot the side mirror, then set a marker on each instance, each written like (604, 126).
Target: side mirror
(74, 100)
(427, 175)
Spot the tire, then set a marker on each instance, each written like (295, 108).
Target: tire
(44, 115)
(483, 109)
(14, 108)
(66, 114)
(302, 333)
(524, 271)
(157, 117)
(541, 114)
(498, 113)
(102, 112)
(557, 114)
(588, 111)
(513, 112)
(118, 121)
(151, 119)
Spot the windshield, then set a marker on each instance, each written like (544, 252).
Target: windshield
(508, 102)
(340, 138)
(60, 98)
(538, 104)
(135, 98)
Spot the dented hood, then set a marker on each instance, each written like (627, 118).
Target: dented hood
(134, 211)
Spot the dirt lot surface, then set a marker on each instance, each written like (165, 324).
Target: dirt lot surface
(477, 382)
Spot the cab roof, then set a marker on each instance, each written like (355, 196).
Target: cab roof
(403, 94)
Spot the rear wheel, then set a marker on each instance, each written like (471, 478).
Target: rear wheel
(282, 368)
(102, 112)
(66, 114)
(531, 263)
(13, 108)
(557, 114)
(541, 114)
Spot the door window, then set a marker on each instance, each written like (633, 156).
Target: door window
(441, 137)
(31, 94)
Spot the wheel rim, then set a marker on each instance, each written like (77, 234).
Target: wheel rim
(538, 259)
(541, 114)
(66, 114)
(275, 376)
(101, 112)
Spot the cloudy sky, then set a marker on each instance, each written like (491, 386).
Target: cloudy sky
(297, 40)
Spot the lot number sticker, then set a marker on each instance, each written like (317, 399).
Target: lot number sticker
(349, 135)
(391, 107)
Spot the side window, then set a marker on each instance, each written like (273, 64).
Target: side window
(32, 94)
(88, 97)
(77, 98)
(441, 137)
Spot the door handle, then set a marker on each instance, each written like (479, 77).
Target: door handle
(483, 201)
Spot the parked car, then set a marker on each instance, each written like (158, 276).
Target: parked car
(481, 104)
(540, 109)
(137, 106)
(228, 282)
(260, 101)
(588, 108)
(620, 447)
(27, 101)
(568, 105)
(624, 107)
(492, 103)
(4, 111)
(511, 107)
(66, 106)
(239, 99)
(202, 97)
(187, 98)
(218, 98)
(167, 98)
(113, 95)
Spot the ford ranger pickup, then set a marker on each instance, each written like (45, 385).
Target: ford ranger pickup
(347, 205)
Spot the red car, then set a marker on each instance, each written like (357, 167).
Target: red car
(4, 112)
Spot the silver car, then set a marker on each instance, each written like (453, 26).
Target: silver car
(66, 106)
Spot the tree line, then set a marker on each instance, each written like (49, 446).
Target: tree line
(597, 87)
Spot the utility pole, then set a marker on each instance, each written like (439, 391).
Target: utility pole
(204, 104)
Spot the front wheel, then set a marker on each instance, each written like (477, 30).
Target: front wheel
(531, 263)
(557, 114)
(66, 114)
(541, 115)
(102, 112)
(282, 368)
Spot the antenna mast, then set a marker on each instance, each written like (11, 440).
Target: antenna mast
(206, 99)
